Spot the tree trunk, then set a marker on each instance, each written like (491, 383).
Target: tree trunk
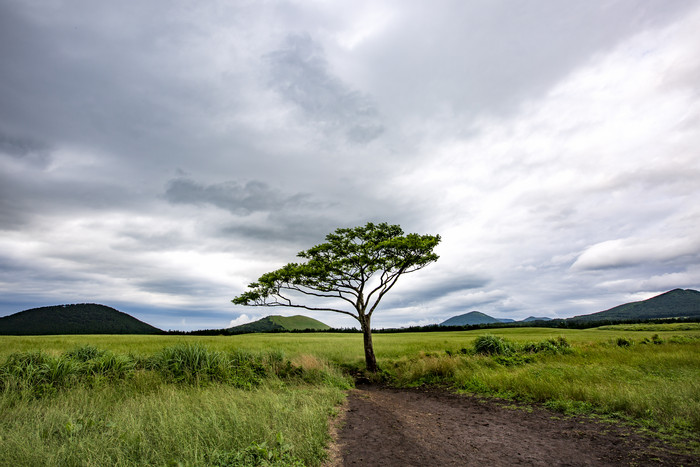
(370, 360)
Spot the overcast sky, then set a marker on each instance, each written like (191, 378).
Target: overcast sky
(158, 156)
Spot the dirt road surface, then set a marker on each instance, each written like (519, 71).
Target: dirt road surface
(392, 427)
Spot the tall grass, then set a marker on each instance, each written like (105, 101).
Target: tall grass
(147, 423)
(185, 404)
(656, 383)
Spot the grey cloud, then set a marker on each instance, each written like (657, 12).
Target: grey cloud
(177, 286)
(100, 103)
(300, 231)
(451, 286)
(238, 198)
(299, 72)
(24, 147)
(33, 194)
(472, 58)
(430, 292)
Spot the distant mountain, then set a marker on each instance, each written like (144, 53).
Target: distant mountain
(83, 318)
(279, 323)
(470, 319)
(677, 303)
(505, 320)
(536, 318)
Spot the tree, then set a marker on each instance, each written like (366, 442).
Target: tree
(357, 266)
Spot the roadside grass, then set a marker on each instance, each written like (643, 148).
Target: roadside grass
(653, 381)
(184, 405)
(146, 422)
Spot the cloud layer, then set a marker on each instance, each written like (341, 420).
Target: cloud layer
(159, 157)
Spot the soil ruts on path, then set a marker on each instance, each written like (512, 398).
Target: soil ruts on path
(392, 427)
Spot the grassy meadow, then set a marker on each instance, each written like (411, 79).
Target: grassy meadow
(266, 399)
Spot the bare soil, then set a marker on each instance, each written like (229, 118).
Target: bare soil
(399, 427)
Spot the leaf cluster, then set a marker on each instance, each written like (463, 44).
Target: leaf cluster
(343, 267)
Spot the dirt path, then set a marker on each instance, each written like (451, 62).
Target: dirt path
(391, 427)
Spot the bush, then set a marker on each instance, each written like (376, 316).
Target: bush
(492, 345)
(558, 345)
(623, 342)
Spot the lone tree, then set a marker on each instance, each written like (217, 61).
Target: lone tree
(357, 266)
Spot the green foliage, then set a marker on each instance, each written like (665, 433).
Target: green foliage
(194, 364)
(84, 353)
(492, 345)
(38, 374)
(623, 342)
(343, 265)
(552, 345)
(509, 353)
(259, 455)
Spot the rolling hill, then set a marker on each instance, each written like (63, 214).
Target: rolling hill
(470, 319)
(279, 323)
(677, 303)
(83, 318)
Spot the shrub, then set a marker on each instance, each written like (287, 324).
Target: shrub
(558, 345)
(623, 342)
(492, 345)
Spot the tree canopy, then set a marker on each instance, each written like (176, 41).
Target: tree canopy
(350, 274)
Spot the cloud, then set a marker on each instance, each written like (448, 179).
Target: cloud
(630, 252)
(299, 73)
(162, 156)
(232, 196)
(242, 319)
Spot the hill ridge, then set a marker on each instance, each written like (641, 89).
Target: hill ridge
(79, 318)
(468, 319)
(676, 303)
(273, 323)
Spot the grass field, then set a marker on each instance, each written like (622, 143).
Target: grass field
(128, 405)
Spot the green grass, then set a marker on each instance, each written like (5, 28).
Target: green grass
(255, 398)
(336, 347)
(185, 404)
(652, 380)
(144, 422)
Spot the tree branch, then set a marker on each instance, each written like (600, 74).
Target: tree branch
(289, 304)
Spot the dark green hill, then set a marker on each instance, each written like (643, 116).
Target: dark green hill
(470, 319)
(279, 323)
(677, 303)
(84, 318)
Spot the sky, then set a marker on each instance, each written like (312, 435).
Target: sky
(159, 156)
